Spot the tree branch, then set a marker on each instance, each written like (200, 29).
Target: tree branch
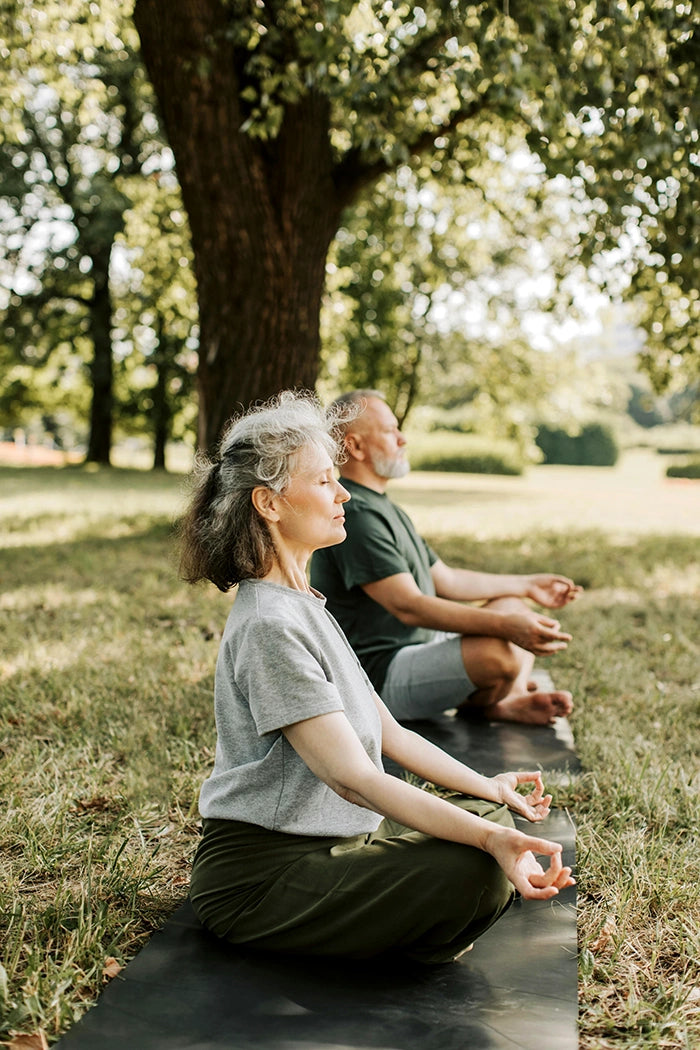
(353, 172)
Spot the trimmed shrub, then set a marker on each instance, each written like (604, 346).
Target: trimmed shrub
(463, 454)
(467, 464)
(684, 470)
(594, 446)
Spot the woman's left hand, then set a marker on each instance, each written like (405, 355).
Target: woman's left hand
(535, 806)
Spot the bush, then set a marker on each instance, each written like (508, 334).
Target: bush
(464, 454)
(468, 464)
(594, 446)
(684, 470)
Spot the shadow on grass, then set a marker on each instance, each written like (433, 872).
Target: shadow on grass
(27, 479)
(103, 552)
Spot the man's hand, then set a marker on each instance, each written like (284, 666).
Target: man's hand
(515, 852)
(533, 807)
(551, 591)
(538, 634)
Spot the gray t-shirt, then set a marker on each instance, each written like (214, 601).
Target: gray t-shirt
(283, 659)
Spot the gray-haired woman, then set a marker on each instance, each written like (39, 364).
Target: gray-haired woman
(308, 846)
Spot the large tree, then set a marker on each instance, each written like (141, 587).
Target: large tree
(280, 111)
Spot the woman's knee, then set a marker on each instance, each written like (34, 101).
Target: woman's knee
(464, 872)
(469, 893)
(497, 892)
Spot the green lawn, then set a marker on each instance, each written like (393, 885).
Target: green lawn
(106, 670)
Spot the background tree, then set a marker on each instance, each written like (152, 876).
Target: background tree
(77, 120)
(452, 286)
(155, 317)
(279, 112)
(635, 148)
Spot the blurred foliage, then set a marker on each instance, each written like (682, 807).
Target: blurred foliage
(594, 445)
(81, 149)
(442, 290)
(690, 469)
(155, 318)
(602, 94)
(481, 160)
(476, 222)
(464, 453)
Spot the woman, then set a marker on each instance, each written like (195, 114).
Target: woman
(308, 846)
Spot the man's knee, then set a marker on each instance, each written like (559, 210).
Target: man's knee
(490, 661)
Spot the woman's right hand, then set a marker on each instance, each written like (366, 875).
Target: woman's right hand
(515, 852)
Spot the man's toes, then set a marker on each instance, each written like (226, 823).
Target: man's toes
(562, 703)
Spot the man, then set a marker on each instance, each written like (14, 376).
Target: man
(403, 609)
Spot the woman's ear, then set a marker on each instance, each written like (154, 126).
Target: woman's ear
(265, 502)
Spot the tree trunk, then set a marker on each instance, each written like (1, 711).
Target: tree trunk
(161, 409)
(101, 368)
(262, 213)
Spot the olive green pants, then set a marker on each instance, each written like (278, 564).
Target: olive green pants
(395, 890)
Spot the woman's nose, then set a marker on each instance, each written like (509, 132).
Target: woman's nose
(342, 495)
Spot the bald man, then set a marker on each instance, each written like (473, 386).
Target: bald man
(409, 616)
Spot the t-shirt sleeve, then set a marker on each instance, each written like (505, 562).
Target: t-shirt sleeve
(432, 556)
(429, 552)
(369, 551)
(279, 671)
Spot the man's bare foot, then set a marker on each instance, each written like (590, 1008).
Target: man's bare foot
(533, 708)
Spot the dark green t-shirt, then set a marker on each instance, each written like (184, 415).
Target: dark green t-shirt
(381, 541)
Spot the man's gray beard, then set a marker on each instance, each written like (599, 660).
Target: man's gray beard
(390, 468)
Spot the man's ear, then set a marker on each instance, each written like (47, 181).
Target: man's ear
(355, 445)
(265, 502)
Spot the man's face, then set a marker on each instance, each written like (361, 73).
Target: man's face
(382, 440)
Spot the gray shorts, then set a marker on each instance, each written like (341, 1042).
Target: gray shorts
(423, 680)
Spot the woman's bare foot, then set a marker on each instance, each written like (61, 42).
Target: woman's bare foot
(532, 708)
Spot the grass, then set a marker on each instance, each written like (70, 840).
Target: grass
(106, 724)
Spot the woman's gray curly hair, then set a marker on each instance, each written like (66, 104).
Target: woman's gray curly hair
(222, 537)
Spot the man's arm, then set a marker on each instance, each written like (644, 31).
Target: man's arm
(401, 596)
(464, 585)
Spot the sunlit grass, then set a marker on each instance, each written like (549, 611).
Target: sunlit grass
(106, 731)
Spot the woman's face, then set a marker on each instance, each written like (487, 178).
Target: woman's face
(311, 508)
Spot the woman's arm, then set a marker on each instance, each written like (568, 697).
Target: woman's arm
(423, 758)
(333, 752)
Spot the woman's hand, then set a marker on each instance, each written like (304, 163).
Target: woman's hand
(515, 852)
(533, 807)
